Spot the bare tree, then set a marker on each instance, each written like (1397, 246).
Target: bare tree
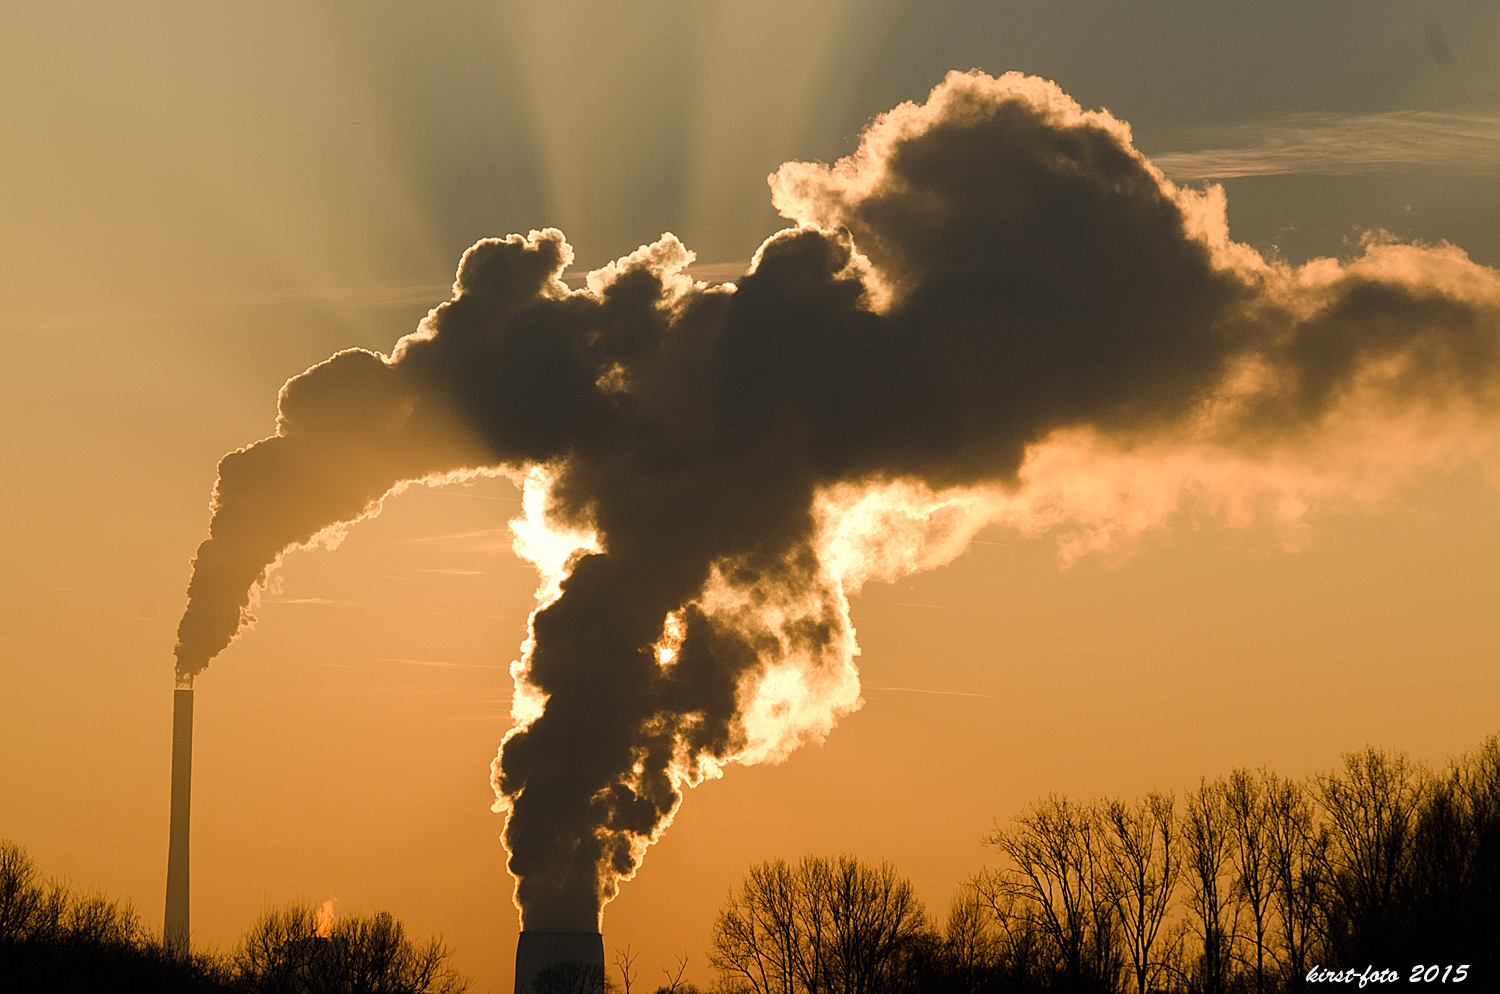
(674, 984)
(1372, 811)
(1297, 848)
(1024, 955)
(875, 917)
(21, 893)
(1214, 911)
(756, 934)
(968, 941)
(1464, 875)
(1142, 848)
(1250, 852)
(813, 953)
(1058, 886)
(836, 926)
(625, 963)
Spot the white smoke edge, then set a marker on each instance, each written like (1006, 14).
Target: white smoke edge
(552, 549)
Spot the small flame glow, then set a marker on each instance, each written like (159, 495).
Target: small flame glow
(326, 917)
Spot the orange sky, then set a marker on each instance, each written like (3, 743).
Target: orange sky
(203, 205)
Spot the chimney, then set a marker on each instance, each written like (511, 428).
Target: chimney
(175, 929)
(576, 954)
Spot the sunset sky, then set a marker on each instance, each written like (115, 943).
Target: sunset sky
(201, 201)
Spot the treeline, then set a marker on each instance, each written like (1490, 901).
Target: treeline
(1248, 883)
(55, 940)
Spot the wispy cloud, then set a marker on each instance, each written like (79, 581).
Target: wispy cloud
(1340, 145)
(323, 601)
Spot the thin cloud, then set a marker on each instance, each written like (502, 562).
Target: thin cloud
(1341, 145)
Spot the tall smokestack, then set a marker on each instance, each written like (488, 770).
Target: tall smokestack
(175, 930)
(576, 955)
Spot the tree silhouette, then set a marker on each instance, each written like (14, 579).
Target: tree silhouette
(1209, 837)
(1452, 911)
(53, 940)
(1060, 888)
(675, 984)
(1298, 849)
(1247, 807)
(826, 926)
(286, 953)
(762, 939)
(625, 963)
(1372, 809)
(1144, 859)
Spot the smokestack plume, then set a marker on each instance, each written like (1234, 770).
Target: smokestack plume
(574, 960)
(176, 930)
(997, 311)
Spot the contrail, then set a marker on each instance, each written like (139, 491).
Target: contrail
(942, 693)
(996, 311)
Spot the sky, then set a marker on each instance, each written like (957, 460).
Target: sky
(201, 204)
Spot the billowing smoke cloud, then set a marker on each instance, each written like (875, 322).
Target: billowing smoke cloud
(997, 310)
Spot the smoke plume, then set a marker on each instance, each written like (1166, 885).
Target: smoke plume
(996, 311)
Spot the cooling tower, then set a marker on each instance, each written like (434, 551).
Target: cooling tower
(175, 929)
(535, 951)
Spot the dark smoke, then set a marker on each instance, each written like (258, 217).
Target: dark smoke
(997, 296)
